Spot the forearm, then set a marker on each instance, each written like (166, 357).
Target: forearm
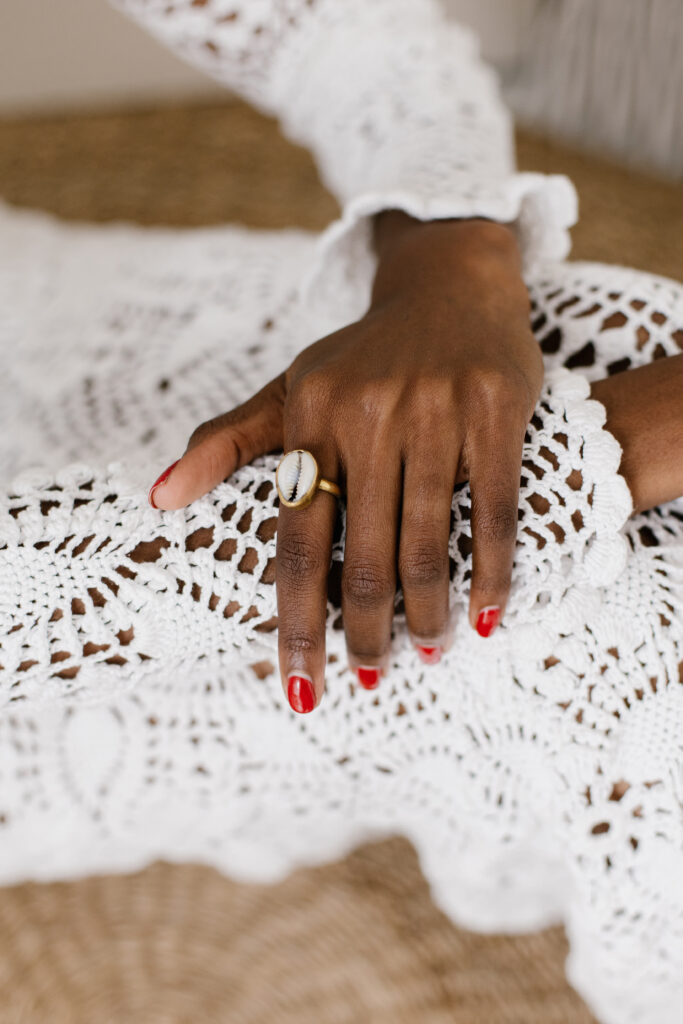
(645, 414)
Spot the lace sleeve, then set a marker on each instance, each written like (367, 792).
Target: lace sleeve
(98, 590)
(396, 105)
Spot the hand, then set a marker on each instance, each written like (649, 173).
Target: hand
(645, 413)
(433, 386)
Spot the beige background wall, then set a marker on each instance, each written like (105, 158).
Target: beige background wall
(604, 74)
(57, 54)
(60, 54)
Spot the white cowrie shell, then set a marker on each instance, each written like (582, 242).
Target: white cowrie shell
(297, 478)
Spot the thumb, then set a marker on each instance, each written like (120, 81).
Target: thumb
(221, 445)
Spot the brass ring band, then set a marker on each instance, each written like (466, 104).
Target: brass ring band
(298, 479)
(327, 485)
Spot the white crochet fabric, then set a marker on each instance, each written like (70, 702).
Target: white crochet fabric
(539, 772)
(393, 100)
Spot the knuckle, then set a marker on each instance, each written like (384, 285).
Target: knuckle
(496, 388)
(310, 394)
(299, 643)
(374, 405)
(237, 442)
(220, 441)
(424, 568)
(496, 522)
(213, 463)
(366, 584)
(201, 433)
(297, 558)
(374, 393)
(432, 405)
(490, 583)
(434, 392)
(366, 652)
(219, 450)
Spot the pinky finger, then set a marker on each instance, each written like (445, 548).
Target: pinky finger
(494, 485)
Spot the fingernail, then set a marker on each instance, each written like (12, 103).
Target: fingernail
(161, 480)
(488, 619)
(300, 693)
(429, 655)
(368, 676)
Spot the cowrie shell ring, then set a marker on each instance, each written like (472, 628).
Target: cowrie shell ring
(297, 478)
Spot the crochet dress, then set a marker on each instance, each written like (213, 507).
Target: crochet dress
(539, 773)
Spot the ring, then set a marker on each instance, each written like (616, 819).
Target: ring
(297, 478)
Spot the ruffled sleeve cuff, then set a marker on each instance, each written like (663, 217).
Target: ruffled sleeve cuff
(541, 209)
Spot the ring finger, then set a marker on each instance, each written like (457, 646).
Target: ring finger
(423, 550)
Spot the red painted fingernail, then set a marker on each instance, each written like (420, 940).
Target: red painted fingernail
(429, 655)
(301, 694)
(368, 676)
(488, 619)
(162, 480)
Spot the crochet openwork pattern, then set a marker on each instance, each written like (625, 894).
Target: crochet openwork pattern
(539, 772)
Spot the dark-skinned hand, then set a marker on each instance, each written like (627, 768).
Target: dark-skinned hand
(435, 385)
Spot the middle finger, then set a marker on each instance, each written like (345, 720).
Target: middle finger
(423, 549)
(369, 574)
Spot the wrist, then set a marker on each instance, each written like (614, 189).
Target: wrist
(439, 256)
(644, 412)
(393, 227)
